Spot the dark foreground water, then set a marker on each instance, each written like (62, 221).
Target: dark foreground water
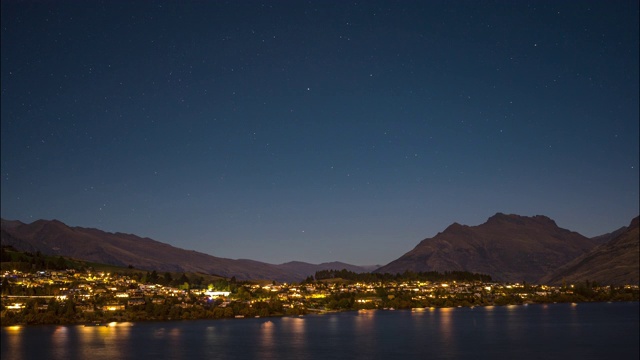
(554, 331)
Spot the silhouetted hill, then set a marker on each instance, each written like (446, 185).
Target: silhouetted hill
(8, 239)
(605, 238)
(7, 224)
(615, 263)
(303, 269)
(508, 247)
(55, 238)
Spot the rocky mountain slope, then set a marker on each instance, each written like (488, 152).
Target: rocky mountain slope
(55, 238)
(616, 262)
(605, 238)
(508, 247)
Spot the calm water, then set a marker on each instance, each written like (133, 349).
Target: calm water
(555, 331)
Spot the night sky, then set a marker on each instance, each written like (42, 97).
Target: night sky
(322, 130)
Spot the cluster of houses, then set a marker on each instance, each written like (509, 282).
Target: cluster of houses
(93, 291)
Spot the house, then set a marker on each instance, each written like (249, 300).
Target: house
(135, 302)
(113, 307)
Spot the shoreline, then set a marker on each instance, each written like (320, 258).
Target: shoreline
(325, 312)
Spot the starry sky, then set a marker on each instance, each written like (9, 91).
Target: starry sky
(318, 130)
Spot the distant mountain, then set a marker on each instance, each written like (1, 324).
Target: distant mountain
(369, 268)
(508, 247)
(302, 270)
(615, 263)
(8, 224)
(9, 239)
(55, 238)
(605, 238)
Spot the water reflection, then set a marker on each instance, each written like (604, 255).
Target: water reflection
(60, 342)
(101, 341)
(296, 327)
(584, 331)
(365, 328)
(512, 321)
(175, 343)
(158, 333)
(267, 340)
(573, 314)
(446, 326)
(13, 342)
(422, 319)
(489, 320)
(333, 323)
(334, 329)
(419, 311)
(210, 335)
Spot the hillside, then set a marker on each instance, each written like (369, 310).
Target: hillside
(300, 269)
(508, 247)
(55, 238)
(605, 238)
(614, 263)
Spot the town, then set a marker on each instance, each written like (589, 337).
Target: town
(96, 297)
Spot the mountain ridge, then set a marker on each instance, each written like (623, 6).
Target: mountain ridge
(508, 247)
(53, 237)
(614, 262)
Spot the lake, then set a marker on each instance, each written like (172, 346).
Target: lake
(551, 331)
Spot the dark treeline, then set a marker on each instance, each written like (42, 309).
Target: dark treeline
(27, 261)
(432, 276)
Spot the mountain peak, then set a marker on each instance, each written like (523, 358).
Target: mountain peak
(11, 223)
(545, 219)
(501, 218)
(613, 262)
(455, 226)
(53, 237)
(508, 247)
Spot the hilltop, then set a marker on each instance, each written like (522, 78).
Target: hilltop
(53, 237)
(508, 247)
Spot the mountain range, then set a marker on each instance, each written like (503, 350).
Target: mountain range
(513, 248)
(53, 237)
(510, 248)
(614, 262)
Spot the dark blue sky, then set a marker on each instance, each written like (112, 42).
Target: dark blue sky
(318, 131)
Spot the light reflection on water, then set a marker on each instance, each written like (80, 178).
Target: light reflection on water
(587, 331)
(102, 341)
(446, 327)
(59, 340)
(174, 337)
(295, 328)
(13, 340)
(367, 337)
(267, 340)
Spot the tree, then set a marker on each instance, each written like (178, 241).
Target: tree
(69, 309)
(183, 279)
(4, 255)
(61, 264)
(243, 294)
(153, 277)
(167, 278)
